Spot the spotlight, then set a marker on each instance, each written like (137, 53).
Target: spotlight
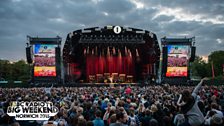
(129, 53)
(119, 52)
(108, 51)
(114, 51)
(125, 51)
(92, 51)
(84, 51)
(96, 50)
(87, 52)
(136, 51)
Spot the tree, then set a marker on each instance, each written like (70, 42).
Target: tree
(14, 70)
(217, 57)
(200, 68)
(20, 69)
(5, 69)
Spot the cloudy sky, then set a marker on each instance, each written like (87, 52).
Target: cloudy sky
(203, 19)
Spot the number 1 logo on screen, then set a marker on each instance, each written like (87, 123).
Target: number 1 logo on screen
(117, 29)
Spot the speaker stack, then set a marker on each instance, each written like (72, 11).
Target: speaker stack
(58, 62)
(193, 50)
(164, 61)
(29, 55)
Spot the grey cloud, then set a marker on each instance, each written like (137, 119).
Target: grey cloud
(49, 18)
(181, 26)
(208, 7)
(164, 18)
(211, 30)
(115, 6)
(206, 45)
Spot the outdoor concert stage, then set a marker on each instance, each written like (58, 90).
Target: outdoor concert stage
(110, 55)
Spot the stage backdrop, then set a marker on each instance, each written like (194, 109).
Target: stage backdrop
(177, 63)
(113, 64)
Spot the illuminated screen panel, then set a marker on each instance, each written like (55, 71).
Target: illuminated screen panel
(44, 60)
(44, 71)
(177, 61)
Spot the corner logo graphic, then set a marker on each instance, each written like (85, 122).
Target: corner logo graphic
(35, 110)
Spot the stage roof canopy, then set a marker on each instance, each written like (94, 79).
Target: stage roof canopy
(111, 36)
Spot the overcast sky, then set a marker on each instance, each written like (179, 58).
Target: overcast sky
(203, 19)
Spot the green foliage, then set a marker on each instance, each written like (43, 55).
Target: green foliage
(202, 69)
(12, 71)
(217, 58)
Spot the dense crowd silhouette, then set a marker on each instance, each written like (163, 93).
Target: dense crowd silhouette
(158, 105)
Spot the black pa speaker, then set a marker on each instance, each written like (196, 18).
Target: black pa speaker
(58, 54)
(58, 62)
(164, 61)
(193, 50)
(29, 55)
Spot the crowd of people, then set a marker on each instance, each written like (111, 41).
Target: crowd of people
(159, 105)
(174, 61)
(44, 61)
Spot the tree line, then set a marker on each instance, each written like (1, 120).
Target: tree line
(14, 71)
(201, 68)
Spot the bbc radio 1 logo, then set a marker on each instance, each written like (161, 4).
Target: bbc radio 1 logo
(117, 29)
(35, 110)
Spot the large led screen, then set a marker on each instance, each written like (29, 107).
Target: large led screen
(44, 60)
(177, 62)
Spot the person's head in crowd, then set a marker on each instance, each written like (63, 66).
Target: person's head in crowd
(50, 123)
(79, 110)
(167, 120)
(141, 108)
(153, 122)
(106, 100)
(80, 117)
(153, 108)
(113, 118)
(81, 122)
(147, 112)
(216, 120)
(121, 109)
(121, 117)
(73, 108)
(112, 109)
(98, 114)
(211, 113)
(89, 123)
(61, 123)
(121, 103)
(109, 104)
(131, 111)
(214, 106)
(186, 96)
